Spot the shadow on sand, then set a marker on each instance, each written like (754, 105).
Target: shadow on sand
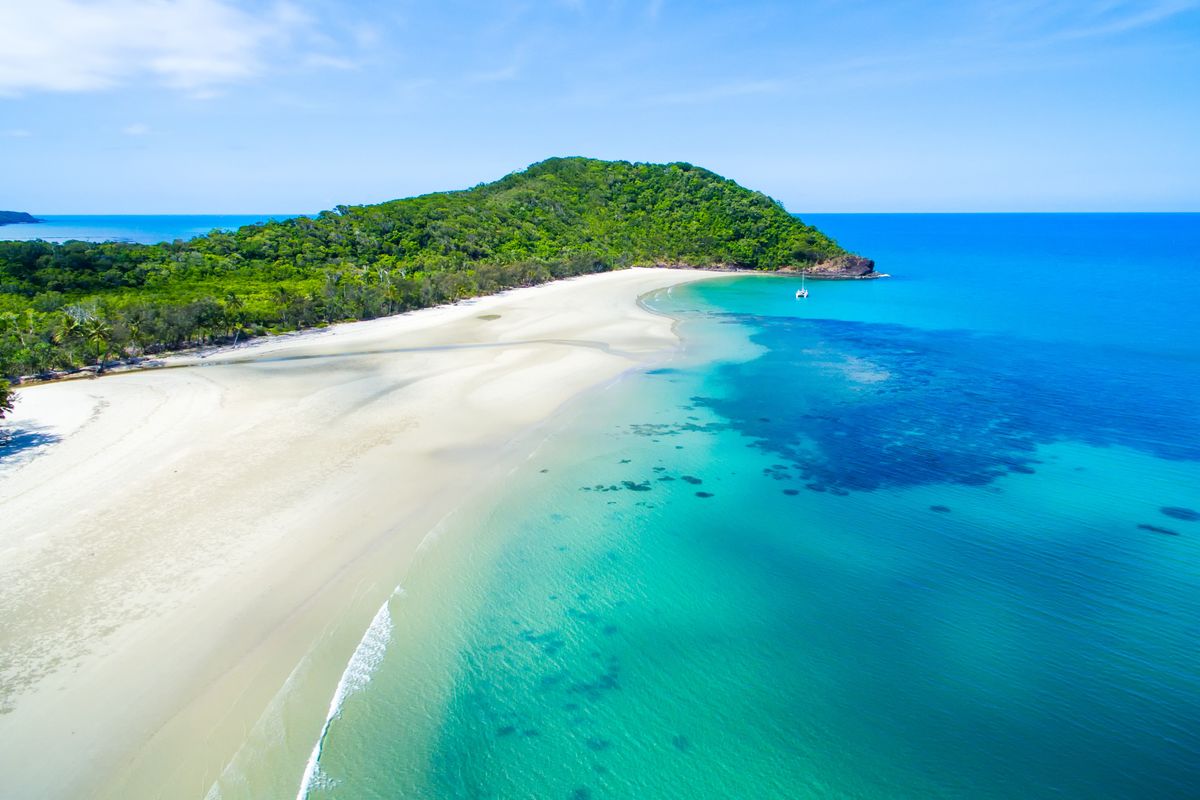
(18, 442)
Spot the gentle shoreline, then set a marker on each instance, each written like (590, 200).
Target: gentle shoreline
(196, 354)
(193, 533)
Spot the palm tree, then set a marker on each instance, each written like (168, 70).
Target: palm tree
(136, 319)
(68, 329)
(234, 308)
(68, 326)
(98, 333)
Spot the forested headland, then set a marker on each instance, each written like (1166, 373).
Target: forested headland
(16, 218)
(66, 306)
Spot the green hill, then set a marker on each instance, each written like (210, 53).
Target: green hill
(16, 218)
(64, 305)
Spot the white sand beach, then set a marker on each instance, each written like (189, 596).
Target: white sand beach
(188, 536)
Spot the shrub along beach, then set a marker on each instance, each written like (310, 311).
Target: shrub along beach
(65, 306)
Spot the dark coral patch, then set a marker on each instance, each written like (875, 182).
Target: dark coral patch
(549, 642)
(1156, 529)
(692, 479)
(940, 509)
(583, 616)
(593, 690)
(1185, 514)
(960, 407)
(791, 492)
(704, 494)
(548, 682)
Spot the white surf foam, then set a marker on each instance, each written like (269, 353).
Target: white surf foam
(366, 659)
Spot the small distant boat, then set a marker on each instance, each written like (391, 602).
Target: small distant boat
(801, 294)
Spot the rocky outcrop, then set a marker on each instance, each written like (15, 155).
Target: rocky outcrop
(16, 218)
(845, 267)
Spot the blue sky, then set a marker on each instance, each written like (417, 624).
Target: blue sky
(194, 106)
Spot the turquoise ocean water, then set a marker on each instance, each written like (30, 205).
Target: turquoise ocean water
(140, 228)
(935, 536)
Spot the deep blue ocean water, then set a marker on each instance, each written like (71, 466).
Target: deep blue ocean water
(140, 228)
(934, 536)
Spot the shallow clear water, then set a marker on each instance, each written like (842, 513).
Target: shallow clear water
(933, 536)
(140, 228)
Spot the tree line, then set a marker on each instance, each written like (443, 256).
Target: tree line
(66, 306)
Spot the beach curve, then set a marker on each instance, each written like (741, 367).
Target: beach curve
(172, 554)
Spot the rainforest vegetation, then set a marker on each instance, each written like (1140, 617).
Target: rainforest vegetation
(64, 306)
(16, 218)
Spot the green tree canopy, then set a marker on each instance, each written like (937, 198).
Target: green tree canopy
(81, 302)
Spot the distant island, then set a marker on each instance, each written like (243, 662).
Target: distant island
(63, 306)
(16, 218)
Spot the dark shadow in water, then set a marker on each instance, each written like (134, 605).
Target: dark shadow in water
(863, 406)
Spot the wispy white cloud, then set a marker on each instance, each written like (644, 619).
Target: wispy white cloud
(18, 133)
(725, 91)
(1113, 18)
(1038, 22)
(511, 72)
(325, 61)
(87, 45)
(366, 36)
(1018, 37)
(136, 129)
